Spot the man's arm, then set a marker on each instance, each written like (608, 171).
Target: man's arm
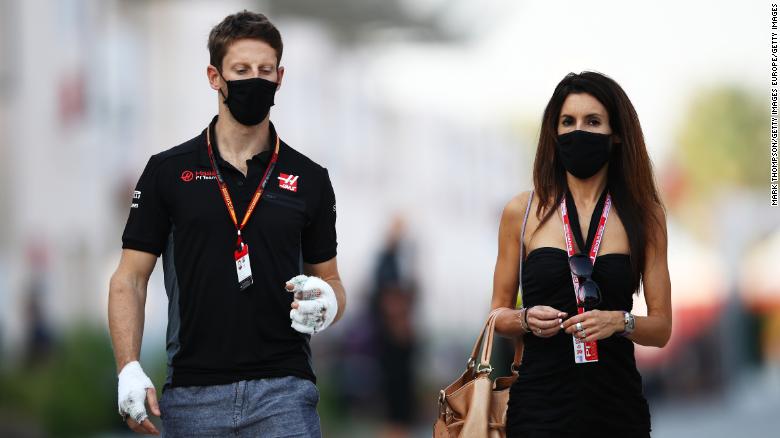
(313, 313)
(126, 301)
(329, 272)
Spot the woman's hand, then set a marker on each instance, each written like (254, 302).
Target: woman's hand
(544, 321)
(594, 324)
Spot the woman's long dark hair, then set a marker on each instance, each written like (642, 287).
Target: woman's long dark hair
(630, 175)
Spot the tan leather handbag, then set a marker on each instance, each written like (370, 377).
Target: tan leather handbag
(474, 406)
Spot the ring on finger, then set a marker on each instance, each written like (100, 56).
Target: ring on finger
(578, 326)
(538, 331)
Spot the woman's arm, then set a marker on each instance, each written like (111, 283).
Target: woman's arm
(655, 328)
(543, 320)
(505, 280)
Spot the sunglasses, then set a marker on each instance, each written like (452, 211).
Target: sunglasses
(589, 294)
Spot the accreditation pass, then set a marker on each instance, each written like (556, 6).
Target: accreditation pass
(243, 268)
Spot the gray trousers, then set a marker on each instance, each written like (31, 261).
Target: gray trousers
(273, 408)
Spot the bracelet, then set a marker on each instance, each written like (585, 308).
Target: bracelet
(525, 320)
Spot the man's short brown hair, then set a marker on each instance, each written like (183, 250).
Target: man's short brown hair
(241, 25)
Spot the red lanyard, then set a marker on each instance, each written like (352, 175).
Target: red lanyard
(224, 190)
(594, 247)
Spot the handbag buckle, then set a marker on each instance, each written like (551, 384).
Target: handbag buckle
(484, 368)
(442, 403)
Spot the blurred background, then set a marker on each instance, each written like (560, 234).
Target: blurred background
(426, 113)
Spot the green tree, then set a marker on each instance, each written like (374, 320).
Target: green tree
(723, 140)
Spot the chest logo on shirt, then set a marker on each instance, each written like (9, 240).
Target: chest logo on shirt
(288, 182)
(198, 175)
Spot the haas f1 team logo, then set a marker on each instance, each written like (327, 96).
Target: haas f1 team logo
(198, 175)
(288, 182)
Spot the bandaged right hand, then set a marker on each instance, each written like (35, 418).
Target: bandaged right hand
(133, 388)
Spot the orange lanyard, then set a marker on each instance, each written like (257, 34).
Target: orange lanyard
(226, 194)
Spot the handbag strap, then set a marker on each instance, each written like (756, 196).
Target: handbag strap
(480, 340)
(522, 247)
(484, 345)
(487, 344)
(519, 341)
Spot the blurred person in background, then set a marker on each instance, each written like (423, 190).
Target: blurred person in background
(38, 342)
(591, 155)
(392, 307)
(238, 215)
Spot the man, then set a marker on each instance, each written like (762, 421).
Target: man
(237, 215)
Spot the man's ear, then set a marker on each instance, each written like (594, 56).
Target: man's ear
(215, 79)
(279, 76)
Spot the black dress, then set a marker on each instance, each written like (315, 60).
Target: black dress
(553, 396)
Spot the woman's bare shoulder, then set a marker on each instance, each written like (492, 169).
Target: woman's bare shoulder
(515, 208)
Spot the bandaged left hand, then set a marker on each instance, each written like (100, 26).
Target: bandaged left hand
(314, 307)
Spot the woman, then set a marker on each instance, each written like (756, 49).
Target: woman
(591, 156)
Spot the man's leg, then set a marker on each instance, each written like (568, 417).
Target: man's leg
(280, 407)
(200, 411)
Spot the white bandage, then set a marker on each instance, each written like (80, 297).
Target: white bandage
(132, 391)
(317, 304)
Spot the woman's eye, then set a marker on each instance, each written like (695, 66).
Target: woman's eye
(566, 122)
(595, 123)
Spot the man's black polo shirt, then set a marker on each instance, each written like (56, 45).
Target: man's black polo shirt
(218, 334)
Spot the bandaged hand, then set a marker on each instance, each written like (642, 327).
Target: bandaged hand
(132, 389)
(314, 306)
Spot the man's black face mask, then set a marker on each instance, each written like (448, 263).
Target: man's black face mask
(249, 100)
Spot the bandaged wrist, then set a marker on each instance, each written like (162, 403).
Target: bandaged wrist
(131, 391)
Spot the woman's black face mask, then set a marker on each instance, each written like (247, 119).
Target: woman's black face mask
(583, 153)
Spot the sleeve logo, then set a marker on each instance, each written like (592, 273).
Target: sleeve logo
(136, 198)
